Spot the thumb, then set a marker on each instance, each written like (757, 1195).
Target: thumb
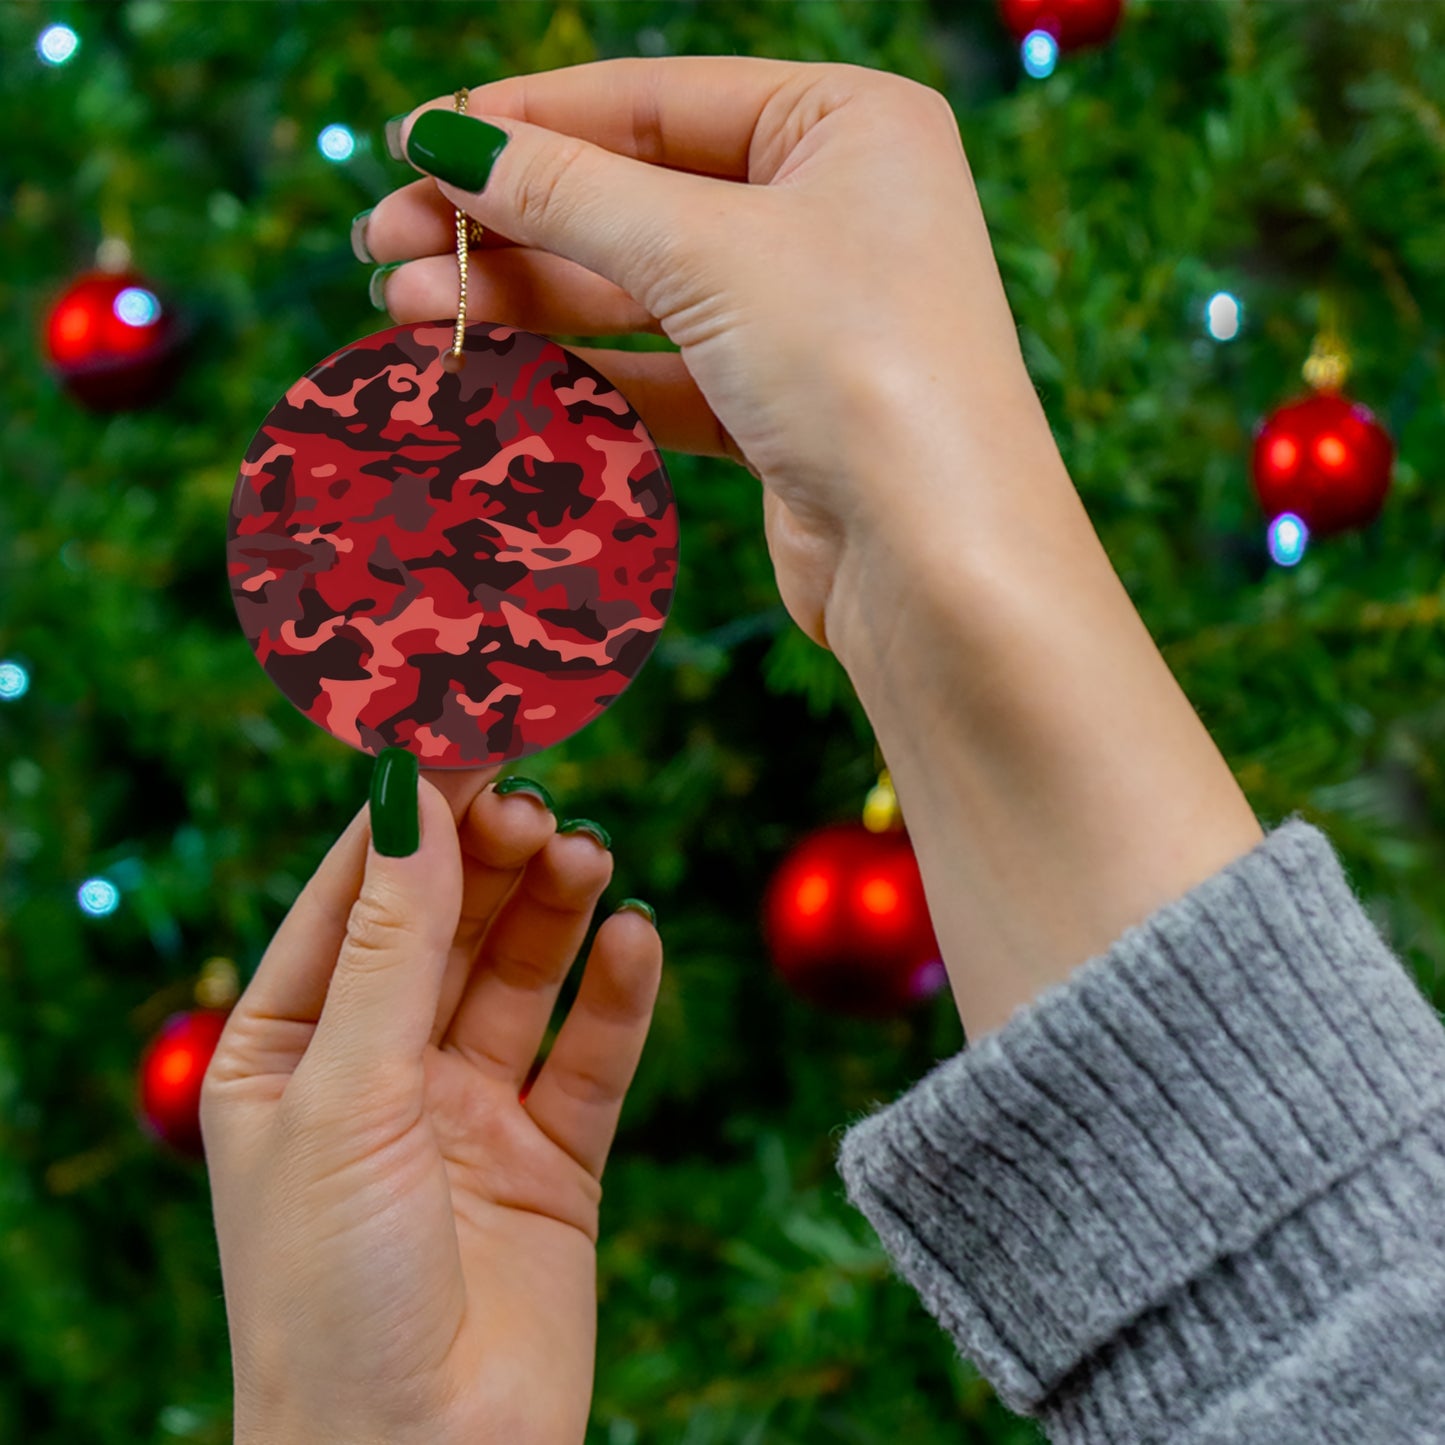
(382, 999)
(633, 223)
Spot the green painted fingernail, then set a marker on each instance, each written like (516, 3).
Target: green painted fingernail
(395, 825)
(526, 785)
(377, 287)
(359, 248)
(392, 131)
(586, 825)
(455, 148)
(636, 905)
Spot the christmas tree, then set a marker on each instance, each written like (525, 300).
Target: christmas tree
(1180, 215)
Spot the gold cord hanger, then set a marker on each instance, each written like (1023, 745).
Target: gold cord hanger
(469, 233)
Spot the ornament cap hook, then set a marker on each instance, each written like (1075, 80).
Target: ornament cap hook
(1328, 365)
(881, 813)
(218, 985)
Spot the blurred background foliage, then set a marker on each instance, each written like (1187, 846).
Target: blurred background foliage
(1289, 153)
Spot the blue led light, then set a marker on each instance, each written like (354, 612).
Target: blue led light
(136, 306)
(57, 44)
(336, 143)
(1288, 537)
(1040, 52)
(1223, 316)
(14, 681)
(98, 897)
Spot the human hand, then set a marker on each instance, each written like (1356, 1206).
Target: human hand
(844, 299)
(407, 1235)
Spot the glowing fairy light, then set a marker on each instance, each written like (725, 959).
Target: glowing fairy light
(336, 143)
(14, 681)
(136, 306)
(98, 897)
(1288, 537)
(57, 44)
(1040, 52)
(1223, 316)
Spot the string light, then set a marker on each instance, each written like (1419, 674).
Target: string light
(1040, 53)
(57, 44)
(98, 897)
(336, 143)
(1288, 537)
(136, 306)
(14, 681)
(1223, 316)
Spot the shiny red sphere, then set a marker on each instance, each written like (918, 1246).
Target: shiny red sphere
(1073, 23)
(111, 339)
(171, 1071)
(847, 924)
(1324, 458)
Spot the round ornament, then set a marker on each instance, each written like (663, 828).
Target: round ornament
(1073, 23)
(172, 1070)
(1326, 459)
(470, 561)
(111, 340)
(847, 924)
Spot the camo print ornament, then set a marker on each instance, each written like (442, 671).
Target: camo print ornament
(470, 565)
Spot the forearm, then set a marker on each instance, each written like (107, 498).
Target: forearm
(1056, 782)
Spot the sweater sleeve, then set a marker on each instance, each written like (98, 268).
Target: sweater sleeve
(1196, 1192)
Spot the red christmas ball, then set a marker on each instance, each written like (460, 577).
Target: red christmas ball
(111, 340)
(1324, 458)
(171, 1071)
(847, 924)
(1073, 23)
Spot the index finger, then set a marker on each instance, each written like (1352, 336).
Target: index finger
(696, 113)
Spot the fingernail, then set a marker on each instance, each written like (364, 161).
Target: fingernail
(376, 288)
(526, 785)
(636, 905)
(393, 136)
(359, 248)
(455, 148)
(395, 825)
(586, 825)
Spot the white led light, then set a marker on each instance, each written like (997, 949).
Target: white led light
(136, 306)
(98, 897)
(14, 681)
(1223, 316)
(57, 44)
(1288, 537)
(336, 143)
(1040, 52)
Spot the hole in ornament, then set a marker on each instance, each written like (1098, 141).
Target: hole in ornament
(1331, 451)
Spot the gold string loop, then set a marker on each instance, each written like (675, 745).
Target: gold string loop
(469, 233)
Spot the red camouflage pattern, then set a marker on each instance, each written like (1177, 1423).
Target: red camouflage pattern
(471, 565)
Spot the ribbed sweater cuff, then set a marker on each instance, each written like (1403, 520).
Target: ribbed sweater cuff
(1145, 1163)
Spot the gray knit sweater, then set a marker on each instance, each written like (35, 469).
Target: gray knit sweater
(1196, 1192)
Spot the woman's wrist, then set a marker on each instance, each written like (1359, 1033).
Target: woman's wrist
(1057, 784)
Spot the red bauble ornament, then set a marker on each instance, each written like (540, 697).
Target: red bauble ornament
(112, 341)
(1073, 23)
(171, 1071)
(847, 924)
(1324, 458)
